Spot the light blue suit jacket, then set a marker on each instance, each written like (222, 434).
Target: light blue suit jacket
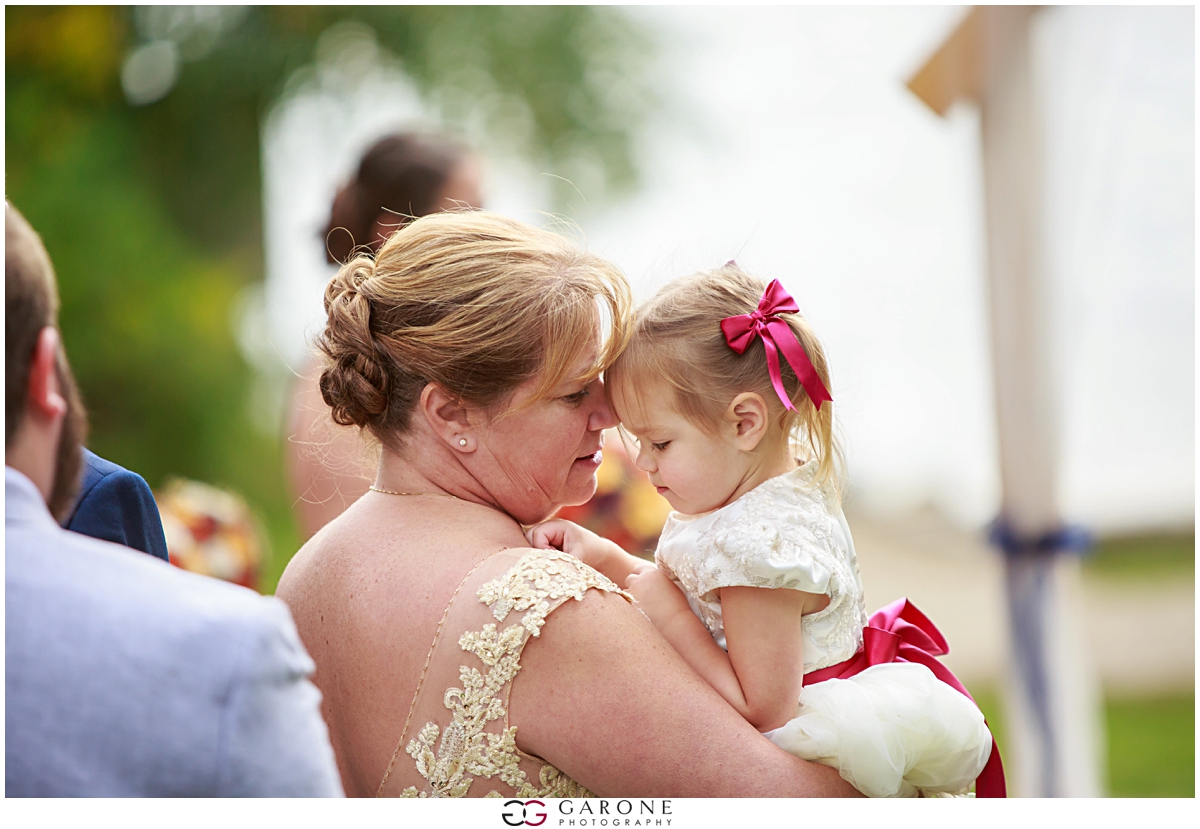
(125, 676)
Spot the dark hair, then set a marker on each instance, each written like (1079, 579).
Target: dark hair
(401, 173)
(31, 305)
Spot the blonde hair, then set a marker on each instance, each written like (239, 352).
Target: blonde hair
(677, 340)
(474, 302)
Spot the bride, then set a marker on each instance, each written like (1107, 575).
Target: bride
(453, 659)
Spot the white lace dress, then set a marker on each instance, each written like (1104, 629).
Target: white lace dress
(892, 730)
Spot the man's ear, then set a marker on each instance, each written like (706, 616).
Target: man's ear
(448, 417)
(749, 416)
(44, 396)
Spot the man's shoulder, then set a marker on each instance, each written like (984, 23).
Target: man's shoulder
(113, 618)
(105, 475)
(98, 467)
(117, 505)
(126, 676)
(124, 587)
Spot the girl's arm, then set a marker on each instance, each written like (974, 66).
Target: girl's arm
(605, 699)
(763, 671)
(594, 551)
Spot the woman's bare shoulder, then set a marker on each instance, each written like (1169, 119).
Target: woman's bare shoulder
(551, 575)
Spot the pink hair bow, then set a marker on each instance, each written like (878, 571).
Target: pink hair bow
(777, 336)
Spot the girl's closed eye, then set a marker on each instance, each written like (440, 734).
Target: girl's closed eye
(660, 447)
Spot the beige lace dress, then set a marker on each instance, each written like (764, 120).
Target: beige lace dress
(457, 739)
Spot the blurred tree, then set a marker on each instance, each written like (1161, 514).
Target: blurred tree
(132, 145)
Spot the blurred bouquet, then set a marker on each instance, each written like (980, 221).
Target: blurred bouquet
(211, 531)
(626, 508)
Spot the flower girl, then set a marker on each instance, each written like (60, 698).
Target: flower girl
(724, 388)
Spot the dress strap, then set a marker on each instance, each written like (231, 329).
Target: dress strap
(425, 668)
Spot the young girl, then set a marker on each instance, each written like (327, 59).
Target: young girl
(755, 581)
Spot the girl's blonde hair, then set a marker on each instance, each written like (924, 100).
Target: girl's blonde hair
(677, 340)
(474, 302)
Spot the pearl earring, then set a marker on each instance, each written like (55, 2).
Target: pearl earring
(462, 441)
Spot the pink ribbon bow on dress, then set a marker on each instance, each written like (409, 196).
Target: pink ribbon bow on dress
(777, 336)
(901, 633)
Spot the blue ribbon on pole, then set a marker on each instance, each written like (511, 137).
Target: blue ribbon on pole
(1065, 539)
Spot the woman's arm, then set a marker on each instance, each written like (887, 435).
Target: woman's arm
(604, 697)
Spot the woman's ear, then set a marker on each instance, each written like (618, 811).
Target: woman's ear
(749, 416)
(448, 417)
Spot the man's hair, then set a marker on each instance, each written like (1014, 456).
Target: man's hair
(30, 304)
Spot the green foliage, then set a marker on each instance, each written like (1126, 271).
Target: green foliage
(1151, 742)
(1152, 746)
(1144, 556)
(152, 214)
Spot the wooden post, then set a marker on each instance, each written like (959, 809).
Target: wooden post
(1052, 693)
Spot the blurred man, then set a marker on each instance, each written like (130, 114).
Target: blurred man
(117, 505)
(126, 676)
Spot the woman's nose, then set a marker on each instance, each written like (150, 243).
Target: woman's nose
(602, 416)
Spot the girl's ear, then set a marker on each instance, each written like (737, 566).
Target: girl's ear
(749, 416)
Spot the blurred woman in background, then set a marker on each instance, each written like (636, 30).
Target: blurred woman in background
(401, 177)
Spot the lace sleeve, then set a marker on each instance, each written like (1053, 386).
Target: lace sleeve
(769, 544)
(466, 736)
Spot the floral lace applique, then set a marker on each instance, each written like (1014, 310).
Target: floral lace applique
(535, 585)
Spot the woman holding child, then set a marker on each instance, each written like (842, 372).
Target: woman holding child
(453, 658)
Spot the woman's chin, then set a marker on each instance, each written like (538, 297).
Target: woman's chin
(580, 488)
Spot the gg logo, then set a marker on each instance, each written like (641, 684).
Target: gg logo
(510, 815)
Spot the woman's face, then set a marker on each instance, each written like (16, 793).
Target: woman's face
(543, 455)
(463, 187)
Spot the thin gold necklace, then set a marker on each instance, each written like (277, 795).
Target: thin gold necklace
(374, 488)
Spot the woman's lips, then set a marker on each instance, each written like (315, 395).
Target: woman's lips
(595, 458)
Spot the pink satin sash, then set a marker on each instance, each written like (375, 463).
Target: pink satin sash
(901, 633)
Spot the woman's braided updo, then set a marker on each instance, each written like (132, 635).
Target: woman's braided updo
(474, 302)
(355, 385)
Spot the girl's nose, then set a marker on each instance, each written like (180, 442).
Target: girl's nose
(644, 460)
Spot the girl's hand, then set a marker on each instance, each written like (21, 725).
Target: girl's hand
(572, 539)
(657, 595)
(594, 551)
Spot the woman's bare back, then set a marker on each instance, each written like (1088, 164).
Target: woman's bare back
(367, 593)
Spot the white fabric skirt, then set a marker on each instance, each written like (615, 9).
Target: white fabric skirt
(893, 730)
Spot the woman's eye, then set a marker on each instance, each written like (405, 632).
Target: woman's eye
(658, 447)
(576, 398)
